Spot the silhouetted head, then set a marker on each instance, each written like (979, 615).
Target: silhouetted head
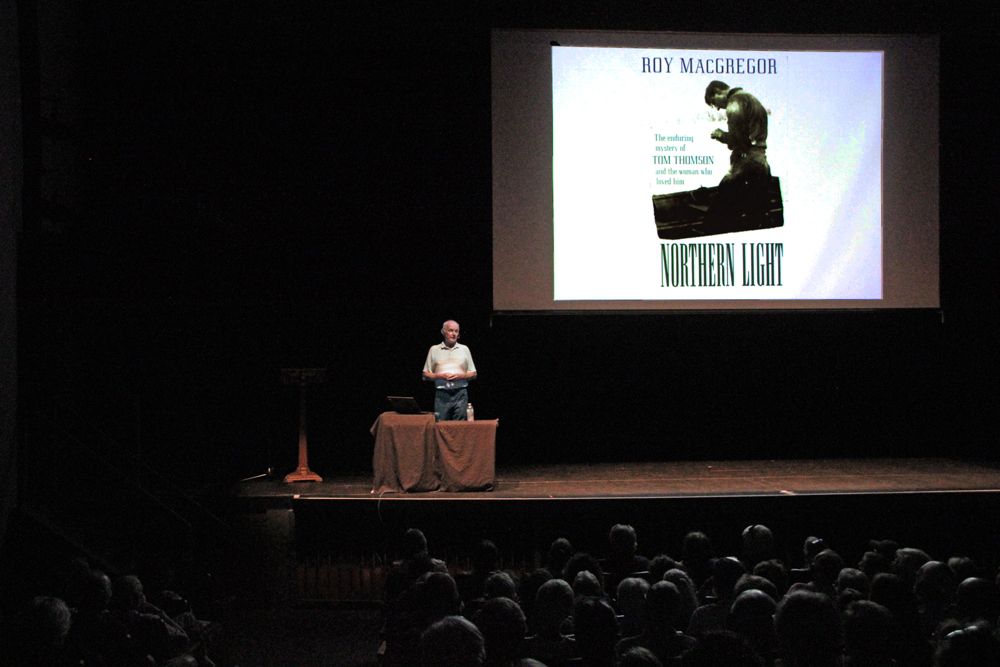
(752, 615)
(972, 646)
(935, 583)
(726, 572)
(638, 656)
(438, 596)
(808, 628)
(660, 566)
(869, 631)
(623, 540)
(560, 552)
(825, 567)
(41, 627)
(485, 557)
(850, 577)
(95, 592)
(580, 562)
(596, 630)
(586, 584)
(503, 626)
(758, 544)
(751, 582)
(631, 597)
(697, 548)
(872, 563)
(908, 560)
(553, 604)
(812, 546)
(774, 571)
(663, 606)
(452, 642)
(414, 543)
(500, 585)
(964, 567)
(977, 598)
(127, 593)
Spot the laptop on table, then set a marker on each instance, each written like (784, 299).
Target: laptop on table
(405, 405)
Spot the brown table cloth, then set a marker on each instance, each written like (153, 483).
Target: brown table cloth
(404, 453)
(413, 453)
(466, 454)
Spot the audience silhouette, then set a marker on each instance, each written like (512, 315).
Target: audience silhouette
(899, 607)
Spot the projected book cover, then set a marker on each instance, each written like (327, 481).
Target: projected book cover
(682, 174)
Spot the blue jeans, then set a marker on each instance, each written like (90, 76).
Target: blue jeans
(451, 404)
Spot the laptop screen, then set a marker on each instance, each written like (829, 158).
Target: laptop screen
(404, 405)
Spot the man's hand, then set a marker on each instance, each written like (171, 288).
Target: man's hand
(717, 134)
(449, 376)
(444, 376)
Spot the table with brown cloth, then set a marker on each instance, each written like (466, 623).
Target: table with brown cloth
(466, 454)
(413, 453)
(404, 453)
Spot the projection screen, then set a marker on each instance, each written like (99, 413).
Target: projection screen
(648, 171)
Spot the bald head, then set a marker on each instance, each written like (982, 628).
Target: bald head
(450, 332)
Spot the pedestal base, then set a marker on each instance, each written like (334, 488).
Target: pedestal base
(303, 475)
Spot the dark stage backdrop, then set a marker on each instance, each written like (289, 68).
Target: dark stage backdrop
(245, 187)
(10, 223)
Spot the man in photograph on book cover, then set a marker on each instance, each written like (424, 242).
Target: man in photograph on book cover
(743, 191)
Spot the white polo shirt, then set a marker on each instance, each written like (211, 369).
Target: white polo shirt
(444, 359)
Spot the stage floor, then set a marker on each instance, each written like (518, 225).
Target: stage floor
(679, 479)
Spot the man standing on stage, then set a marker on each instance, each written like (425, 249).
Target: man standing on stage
(449, 365)
(742, 192)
